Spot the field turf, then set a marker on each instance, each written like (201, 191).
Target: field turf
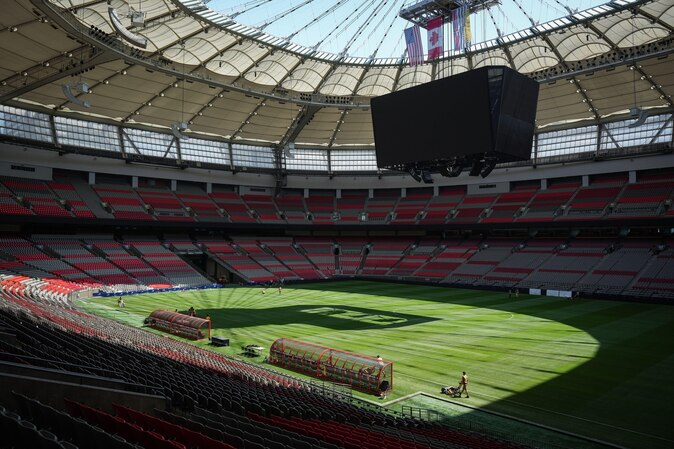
(601, 369)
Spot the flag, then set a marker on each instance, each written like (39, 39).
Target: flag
(436, 38)
(415, 50)
(459, 26)
(466, 29)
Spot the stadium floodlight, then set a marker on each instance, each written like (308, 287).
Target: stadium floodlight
(71, 93)
(489, 164)
(178, 129)
(133, 38)
(640, 115)
(288, 150)
(452, 169)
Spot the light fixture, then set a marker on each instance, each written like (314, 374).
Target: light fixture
(489, 164)
(136, 39)
(288, 150)
(71, 93)
(452, 169)
(178, 130)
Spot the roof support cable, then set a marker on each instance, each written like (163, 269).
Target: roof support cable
(346, 22)
(493, 21)
(246, 7)
(388, 30)
(318, 18)
(567, 7)
(283, 14)
(526, 14)
(360, 28)
(366, 25)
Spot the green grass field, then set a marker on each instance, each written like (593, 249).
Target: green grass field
(600, 369)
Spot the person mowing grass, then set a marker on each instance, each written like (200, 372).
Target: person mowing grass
(463, 384)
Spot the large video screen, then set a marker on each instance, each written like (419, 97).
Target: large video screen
(456, 116)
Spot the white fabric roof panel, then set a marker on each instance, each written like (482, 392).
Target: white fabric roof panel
(342, 81)
(532, 55)
(413, 76)
(377, 81)
(451, 67)
(271, 70)
(560, 102)
(320, 129)
(491, 57)
(307, 76)
(356, 129)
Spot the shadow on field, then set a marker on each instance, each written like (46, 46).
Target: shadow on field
(336, 318)
(623, 386)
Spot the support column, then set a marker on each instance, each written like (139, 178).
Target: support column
(209, 187)
(544, 184)
(174, 185)
(92, 178)
(134, 182)
(586, 181)
(403, 192)
(338, 193)
(370, 193)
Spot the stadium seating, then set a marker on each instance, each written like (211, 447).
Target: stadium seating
(123, 201)
(319, 251)
(217, 402)
(606, 197)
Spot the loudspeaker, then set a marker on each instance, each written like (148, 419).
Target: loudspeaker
(219, 341)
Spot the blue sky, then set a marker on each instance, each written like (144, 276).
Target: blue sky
(367, 27)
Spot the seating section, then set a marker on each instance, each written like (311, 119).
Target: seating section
(263, 208)
(445, 258)
(626, 266)
(168, 264)
(510, 205)
(590, 203)
(320, 252)
(165, 205)
(439, 207)
(78, 207)
(643, 199)
(261, 265)
(599, 197)
(383, 255)
(409, 209)
(351, 254)
(288, 252)
(123, 201)
(216, 402)
(201, 204)
(350, 206)
(291, 205)
(657, 276)
(322, 208)
(379, 208)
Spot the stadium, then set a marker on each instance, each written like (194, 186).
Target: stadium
(217, 232)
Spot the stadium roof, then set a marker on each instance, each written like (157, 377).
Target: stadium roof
(235, 81)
